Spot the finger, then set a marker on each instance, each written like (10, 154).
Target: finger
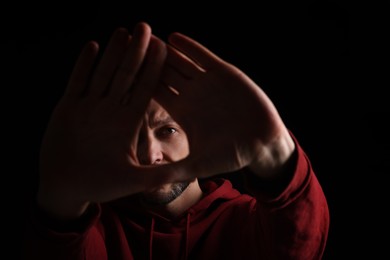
(149, 77)
(173, 78)
(81, 72)
(197, 166)
(109, 62)
(182, 63)
(134, 57)
(153, 176)
(166, 96)
(194, 50)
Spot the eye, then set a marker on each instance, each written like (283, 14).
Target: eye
(166, 132)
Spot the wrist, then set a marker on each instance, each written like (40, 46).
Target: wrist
(78, 225)
(270, 163)
(60, 207)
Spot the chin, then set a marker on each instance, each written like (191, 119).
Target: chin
(165, 194)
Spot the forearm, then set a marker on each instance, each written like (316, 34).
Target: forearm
(293, 213)
(45, 238)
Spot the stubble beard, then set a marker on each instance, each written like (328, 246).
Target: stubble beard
(160, 198)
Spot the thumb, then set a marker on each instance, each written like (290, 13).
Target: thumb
(155, 175)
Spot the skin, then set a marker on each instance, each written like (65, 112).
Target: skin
(88, 153)
(220, 98)
(161, 141)
(100, 146)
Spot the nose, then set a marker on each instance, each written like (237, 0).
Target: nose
(150, 151)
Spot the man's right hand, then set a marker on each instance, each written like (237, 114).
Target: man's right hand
(88, 153)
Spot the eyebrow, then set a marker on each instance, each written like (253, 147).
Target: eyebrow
(157, 122)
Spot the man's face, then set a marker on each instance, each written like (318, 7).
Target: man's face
(161, 141)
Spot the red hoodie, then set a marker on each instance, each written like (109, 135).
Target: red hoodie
(224, 224)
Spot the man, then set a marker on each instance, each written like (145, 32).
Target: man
(127, 160)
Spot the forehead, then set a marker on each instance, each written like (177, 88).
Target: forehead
(156, 116)
(155, 110)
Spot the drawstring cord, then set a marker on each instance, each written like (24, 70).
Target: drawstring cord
(187, 236)
(151, 240)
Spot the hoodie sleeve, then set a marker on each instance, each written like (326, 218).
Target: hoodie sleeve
(293, 215)
(80, 240)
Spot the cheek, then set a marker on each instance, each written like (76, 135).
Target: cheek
(185, 149)
(178, 148)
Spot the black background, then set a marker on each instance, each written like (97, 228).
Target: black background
(316, 61)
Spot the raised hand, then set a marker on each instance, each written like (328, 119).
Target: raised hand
(230, 122)
(88, 153)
